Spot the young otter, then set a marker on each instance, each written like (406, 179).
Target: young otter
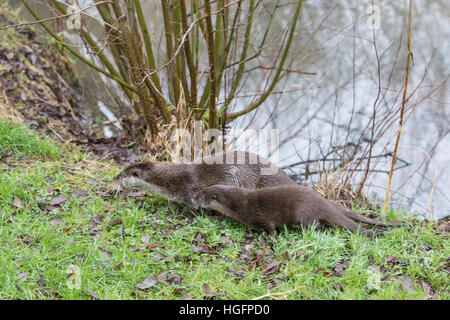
(290, 205)
(180, 181)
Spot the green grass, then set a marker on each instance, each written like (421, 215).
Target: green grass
(18, 140)
(37, 243)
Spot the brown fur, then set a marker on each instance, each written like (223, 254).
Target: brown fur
(290, 205)
(180, 181)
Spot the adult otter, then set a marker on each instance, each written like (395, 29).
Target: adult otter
(180, 181)
(290, 205)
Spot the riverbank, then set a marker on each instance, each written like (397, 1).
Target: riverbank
(66, 235)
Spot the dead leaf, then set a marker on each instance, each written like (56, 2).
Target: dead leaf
(49, 180)
(407, 284)
(120, 231)
(176, 291)
(147, 283)
(136, 194)
(57, 220)
(339, 269)
(79, 193)
(92, 293)
(270, 268)
(118, 265)
(237, 273)
(21, 277)
(203, 249)
(255, 261)
(426, 288)
(17, 202)
(145, 238)
(97, 219)
(41, 281)
(206, 289)
(225, 240)
(390, 259)
(198, 237)
(158, 256)
(337, 287)
(174, 278)
(162, 277)
(57, 201)
(115, 222)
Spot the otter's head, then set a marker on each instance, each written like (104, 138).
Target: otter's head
(135, 175)
(211, 197)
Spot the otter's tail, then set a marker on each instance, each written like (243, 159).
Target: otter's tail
(359, 217)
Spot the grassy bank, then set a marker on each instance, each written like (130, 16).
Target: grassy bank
(58, 214)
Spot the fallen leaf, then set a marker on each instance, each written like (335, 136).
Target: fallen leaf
(248, 236)
(174, 278)
(158, 256)
(41, 281)
(426, 288)
(57, 220)
(118, 265)
(425, 246)
(162, 277)
(337, 287)
(79, 193)
(57, 201)
(206, 289)
(339, 269)
(21, 277)
(26, 238)
(393, 260)
(176, 291)
(115, 222)
(276, 282)
(97, 219)
(255, 261)
(17, 203)
(153, 245)
(203, 249)
(237, 273)
(270, 268)
(145, 238)
(407, 284)
(198, 237)
(225, 240)
(92, 293)
(147, 283)
(120, 231)
(136, 194)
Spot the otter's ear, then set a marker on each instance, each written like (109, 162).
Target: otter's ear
(214, 196)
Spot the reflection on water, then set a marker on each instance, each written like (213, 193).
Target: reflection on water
(111, 119)
(321, 113)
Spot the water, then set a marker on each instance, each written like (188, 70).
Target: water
(320, 113)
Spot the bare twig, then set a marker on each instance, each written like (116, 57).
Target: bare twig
(400, 123)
